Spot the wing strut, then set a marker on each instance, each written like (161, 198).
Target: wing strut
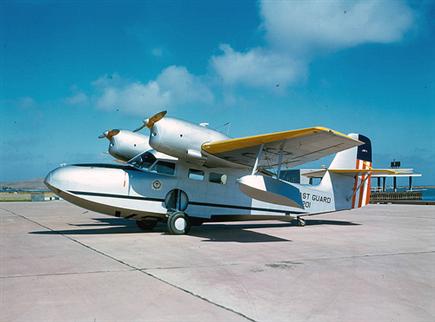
(260, 152)
(359, 186)
(278, 173)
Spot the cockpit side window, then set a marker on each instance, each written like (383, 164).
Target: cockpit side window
(164, 167)
(144, 161)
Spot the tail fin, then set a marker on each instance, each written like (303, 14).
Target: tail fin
(351, 188)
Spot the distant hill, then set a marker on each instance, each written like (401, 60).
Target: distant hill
(33, 184)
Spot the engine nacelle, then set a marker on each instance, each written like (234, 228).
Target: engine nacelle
(125, 145)
(182, 139)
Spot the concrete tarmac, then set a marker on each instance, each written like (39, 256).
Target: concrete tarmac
(63, 263)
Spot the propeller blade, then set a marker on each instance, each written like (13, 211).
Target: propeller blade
(149, 122)
(155, 118)
(140, 128)
(109, 134)
(112, 133)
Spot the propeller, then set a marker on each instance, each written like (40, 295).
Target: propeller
(149, 122)
(109, 134)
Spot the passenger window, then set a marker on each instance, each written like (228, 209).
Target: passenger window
(164, 167)
(196, 174)
(218, 178)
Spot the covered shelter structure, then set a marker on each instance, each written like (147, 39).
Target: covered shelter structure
(401, 173)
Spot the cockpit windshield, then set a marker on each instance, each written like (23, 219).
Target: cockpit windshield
(149, 162)
(144, 161)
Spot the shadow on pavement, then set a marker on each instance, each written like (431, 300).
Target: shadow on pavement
(214, 232)
(111, 226)
(210, 232)
(237, 232)
(309, 222)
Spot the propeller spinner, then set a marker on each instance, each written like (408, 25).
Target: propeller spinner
(109, 134)
(149, 122)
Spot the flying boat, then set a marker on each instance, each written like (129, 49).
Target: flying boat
(186, 174)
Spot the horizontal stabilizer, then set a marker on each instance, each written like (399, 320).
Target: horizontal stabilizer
(351, 172)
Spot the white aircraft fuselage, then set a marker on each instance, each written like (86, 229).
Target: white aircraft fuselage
(211, 193)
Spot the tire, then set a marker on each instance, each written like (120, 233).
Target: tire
(178, 223)
(301, 222)
(147, 224)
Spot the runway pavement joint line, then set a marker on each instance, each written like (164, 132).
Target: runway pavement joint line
(68, 273)
(198, 296)
(132, 268)
(361, 256)
(184, 267)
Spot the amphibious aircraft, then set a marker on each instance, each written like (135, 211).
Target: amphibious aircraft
(185, 174)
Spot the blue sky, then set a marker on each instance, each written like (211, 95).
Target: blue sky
(69, 71)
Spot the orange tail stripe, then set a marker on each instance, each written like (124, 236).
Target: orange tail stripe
(361, 188)
(369, 187)
(355, 185)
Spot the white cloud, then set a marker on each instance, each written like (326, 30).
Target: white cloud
(298, 30)
(79, 98)
(305, 26)
(183, 86)
(135, 98)
(257, 67)
(174, 86)
(295, 31)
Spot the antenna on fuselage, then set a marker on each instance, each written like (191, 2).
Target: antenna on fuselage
(227, 131)
(226, 127)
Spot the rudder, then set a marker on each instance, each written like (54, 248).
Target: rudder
(359, 157)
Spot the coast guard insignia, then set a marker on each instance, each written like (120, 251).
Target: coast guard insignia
(157, 185)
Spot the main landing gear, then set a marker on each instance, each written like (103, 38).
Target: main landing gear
(178, 223)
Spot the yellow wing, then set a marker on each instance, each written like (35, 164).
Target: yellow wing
(295, 146)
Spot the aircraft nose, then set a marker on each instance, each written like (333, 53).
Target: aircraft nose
(47, 180)
(86, 177)
(56, 179)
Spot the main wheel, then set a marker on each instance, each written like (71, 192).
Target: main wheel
(301, 222)
(147, 224)
(178, 223)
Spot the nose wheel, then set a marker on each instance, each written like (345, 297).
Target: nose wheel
(178, 223)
